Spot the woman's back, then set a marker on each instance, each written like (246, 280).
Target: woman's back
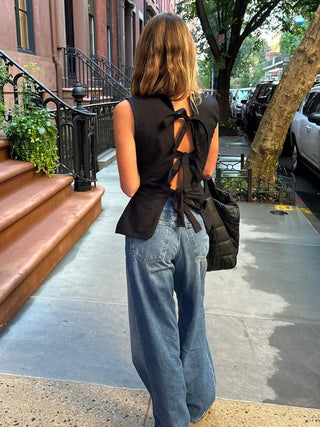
(186, 144)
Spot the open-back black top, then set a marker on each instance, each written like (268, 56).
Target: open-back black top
(156, 149)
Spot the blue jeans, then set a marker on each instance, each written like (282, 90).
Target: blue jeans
(169, 350)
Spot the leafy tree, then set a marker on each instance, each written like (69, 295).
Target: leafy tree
(296, 82)
(248, 66)
(290, 40)
(227, 23)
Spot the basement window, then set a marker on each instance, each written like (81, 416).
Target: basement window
(24, 22)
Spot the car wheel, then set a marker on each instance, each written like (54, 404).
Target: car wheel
(295, 157)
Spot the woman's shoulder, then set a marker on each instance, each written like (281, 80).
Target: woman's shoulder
(122, 106)
(209, 107)
(209, 100)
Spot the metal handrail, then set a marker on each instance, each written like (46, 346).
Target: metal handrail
(112, 70)
(76, 138)
(100, 86)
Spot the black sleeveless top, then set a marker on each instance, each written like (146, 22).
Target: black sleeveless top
(156, 149)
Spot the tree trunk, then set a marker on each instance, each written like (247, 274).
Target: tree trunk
(296, 82)
(223, 94)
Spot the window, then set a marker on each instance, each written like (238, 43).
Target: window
(24, 22)
(316, 104)
(109, 31)
(311, 103)
(91, 27)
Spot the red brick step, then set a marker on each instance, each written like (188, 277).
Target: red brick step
(27, 260)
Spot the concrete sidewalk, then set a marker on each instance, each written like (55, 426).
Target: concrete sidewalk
(65, 357)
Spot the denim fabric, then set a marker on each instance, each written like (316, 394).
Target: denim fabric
(169, 347)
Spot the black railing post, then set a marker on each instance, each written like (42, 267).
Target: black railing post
(242, 161)
(78, 93)
(249, 177)
(82, 157)
(218, 177)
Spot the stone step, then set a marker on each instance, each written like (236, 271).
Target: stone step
(106, 158)
(27, 259)
(14, 174)
(29, 202)
(4, 147)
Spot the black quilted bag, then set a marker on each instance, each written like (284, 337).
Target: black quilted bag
(222, 217)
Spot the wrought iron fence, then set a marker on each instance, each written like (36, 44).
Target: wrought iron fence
(104, 128)
(76, 138)
(231, 176)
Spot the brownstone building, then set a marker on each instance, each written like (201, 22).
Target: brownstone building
(42, 31)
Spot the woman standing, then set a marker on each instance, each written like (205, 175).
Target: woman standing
(167, 141)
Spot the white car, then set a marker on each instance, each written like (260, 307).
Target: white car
(236, 104)
(305, 133)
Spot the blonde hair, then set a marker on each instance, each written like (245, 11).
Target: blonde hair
(165, 60)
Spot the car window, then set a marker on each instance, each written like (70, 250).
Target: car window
(256, 93)
(306, 110)
(314, 106)
(270, 92)
(263, 91)
(242, 94)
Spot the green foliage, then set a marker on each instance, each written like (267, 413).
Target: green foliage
(205, 68)
(248, 67)
(33, 138)
(31, 134)
(2, 111)
(230, 123)
(4, 75)
(290, 40)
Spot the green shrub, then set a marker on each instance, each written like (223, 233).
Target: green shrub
(32, 137)
(29, 129)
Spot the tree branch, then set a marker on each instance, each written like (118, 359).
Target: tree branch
(257, 20)
(207, 29)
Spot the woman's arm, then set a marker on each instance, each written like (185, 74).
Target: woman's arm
(123, 126)
(212, 155)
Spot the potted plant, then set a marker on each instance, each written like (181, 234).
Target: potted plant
(228, 128)
(31, 134)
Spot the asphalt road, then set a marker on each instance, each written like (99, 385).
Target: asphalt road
(307, 187)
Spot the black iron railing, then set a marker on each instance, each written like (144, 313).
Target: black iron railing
(111, 70)
(104, 128)
(76, 138)
(99, 84)
(128, 71)
(240, 182)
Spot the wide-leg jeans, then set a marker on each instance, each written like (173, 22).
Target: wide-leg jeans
(169, 347)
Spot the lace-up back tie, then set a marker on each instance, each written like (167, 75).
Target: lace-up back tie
(190, 196)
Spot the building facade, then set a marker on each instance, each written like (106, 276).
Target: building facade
(39, 31)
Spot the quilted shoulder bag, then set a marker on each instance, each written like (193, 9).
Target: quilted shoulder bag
(222, 218)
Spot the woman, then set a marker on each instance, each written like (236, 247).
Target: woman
(167, 142)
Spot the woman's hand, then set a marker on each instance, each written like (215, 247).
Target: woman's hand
(123, 127)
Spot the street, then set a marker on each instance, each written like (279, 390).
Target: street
(308, 188)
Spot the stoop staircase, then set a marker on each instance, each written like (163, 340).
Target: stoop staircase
(40, 220)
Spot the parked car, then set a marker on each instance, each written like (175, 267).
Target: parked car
(305, 133)
(256, 106)
(231, 94)
(236, 104)
(244, 105)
